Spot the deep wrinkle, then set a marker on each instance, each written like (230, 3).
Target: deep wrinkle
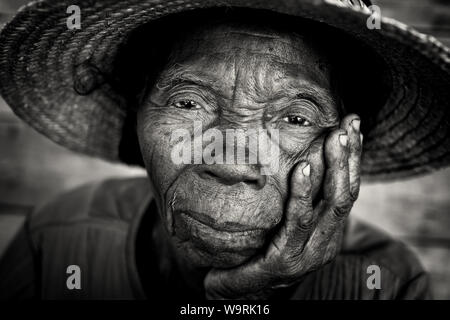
(251, 84)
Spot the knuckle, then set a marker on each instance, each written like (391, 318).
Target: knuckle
(306, 222)
(313, 260)
(290, 267)
(357, 147)
(302, 198)
(341, 210)
(354, 194)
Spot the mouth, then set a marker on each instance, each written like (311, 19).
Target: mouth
(228, 227)
(212, 237)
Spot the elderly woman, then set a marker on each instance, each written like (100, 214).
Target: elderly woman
(309, 73)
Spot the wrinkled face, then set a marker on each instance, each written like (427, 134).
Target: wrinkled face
(234, 77)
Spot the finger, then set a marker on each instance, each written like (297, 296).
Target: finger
(351, 124)
(255, 279)
(242, 282)
(325, 243)
(299, 211)
(336, 183)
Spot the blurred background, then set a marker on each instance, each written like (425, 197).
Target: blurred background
(417, 211)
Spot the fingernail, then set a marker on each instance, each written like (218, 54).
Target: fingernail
(307, 170)
(343, 139)
(356, 124)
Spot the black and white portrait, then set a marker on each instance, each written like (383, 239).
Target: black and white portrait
(232, 149)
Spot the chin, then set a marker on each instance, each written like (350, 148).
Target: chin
(202, 258)
(206, 246)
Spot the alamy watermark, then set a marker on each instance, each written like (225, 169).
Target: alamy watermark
(74, 20)
(73, 281)
(374, 280)
(234, 146)
(374, 20)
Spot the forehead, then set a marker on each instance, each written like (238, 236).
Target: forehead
(226, 37)
(265, 54)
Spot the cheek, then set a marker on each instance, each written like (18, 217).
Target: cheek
(305, 151)
(156, 145)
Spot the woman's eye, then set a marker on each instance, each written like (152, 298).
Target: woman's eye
(186, 104)
(297, 120)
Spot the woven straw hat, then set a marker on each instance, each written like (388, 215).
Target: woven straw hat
(53, 78)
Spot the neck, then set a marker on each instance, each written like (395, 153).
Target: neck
(161, 269)
(190, 277)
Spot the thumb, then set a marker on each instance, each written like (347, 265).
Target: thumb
(245, 282)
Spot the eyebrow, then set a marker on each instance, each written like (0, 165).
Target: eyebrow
(182, 74)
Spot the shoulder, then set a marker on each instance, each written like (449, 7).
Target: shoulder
(89, 227)
(371, 266)
(364, 239)
(401, 269)
(112, 199)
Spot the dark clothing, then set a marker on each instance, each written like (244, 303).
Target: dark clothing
(96, 228)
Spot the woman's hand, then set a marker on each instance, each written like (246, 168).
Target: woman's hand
(310, 237)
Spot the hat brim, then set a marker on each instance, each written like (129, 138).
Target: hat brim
(40, 56)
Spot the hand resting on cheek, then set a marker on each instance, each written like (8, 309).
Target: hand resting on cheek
(310, 236)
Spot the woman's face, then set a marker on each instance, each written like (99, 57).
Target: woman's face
(234, 77)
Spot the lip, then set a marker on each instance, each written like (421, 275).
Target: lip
(234, 238)
(233, 228)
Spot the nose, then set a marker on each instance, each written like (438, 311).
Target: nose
(233, 174)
